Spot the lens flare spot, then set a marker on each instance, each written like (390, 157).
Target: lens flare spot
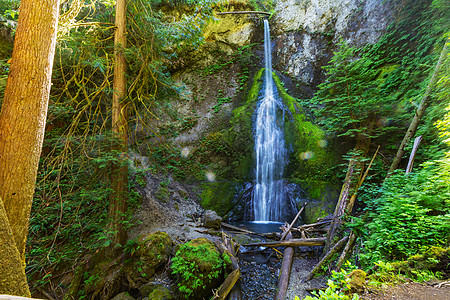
(210, 176)
(306, 155)
(322, 143)
(185, 152)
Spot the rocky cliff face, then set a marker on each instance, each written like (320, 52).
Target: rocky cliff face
(307, 32)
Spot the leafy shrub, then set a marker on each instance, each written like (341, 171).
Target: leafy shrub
(411, 215)
(199, 265)
(338, 288)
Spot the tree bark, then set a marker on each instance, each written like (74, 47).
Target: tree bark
(285, 271)
(12, 271)
(119, 174)
(24, 112)
(418, 115)
(327, 257)
(349, 188)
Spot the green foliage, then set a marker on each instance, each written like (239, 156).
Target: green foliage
(413, 213)
(338, 288)
(352, 99)
(197, 264)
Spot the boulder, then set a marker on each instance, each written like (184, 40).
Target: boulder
(123, 296)
(199, 267)
(210, 219)
(152, 254)
(161, 293)
(357, 281)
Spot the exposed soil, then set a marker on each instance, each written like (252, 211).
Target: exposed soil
(410, 291)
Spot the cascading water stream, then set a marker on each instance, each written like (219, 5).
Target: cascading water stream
(269, 194)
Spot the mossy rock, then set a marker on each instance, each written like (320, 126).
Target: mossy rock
(219, 197)
(311, 157)
(436, 259)
(357, 281)
(160, 293)
(153, 252)
(123, 296)
(199, 266)
(321, 197)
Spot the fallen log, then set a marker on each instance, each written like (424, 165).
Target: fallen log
(244, 12)
(293, 222)
(338, 246)
(312, 225)
(347, 250)
(235, 293)
(227, 285)
(10, 297)
(235, 228)
(291, 243)
(285, 272)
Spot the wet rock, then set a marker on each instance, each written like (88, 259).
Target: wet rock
(147, 288)
(161, 293)
(210, 219)
(123, 296)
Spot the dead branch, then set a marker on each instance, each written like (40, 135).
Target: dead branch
(293, 222)
(327, 257)
(291, 243)
(244, 12)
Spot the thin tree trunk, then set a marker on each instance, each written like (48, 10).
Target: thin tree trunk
(24, 112)
(338, 246)
(349, 188)
(409, 168)
(347, 251)
(119, 174)
(418, 115)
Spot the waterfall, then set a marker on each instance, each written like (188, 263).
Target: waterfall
(269, 194)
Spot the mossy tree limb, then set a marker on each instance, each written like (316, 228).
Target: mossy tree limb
(418, 114)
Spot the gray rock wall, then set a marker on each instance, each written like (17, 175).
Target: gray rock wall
(307, 32)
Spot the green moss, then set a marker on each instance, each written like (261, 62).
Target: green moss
(311, 157)
(219, 196)
(199, 266)
(160, 293)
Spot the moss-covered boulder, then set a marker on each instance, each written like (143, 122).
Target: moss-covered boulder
(357, 281)
(123, 296)
(199, 267)
(436, 259)
(161, 293)
(151, 254)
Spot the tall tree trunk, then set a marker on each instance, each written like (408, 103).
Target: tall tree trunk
(12, 271)
(22, 123)
(119, 174)
(418, 115)
(24, 111)
(349, 187)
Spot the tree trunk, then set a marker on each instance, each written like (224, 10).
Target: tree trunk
(285, 271)
(349, 188)
(24, 111)
(119, 174)
(418, 115)
(12, 271)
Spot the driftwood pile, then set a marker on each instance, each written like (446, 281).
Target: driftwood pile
(304, 235)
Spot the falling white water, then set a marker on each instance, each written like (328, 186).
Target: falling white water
(269, 195)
